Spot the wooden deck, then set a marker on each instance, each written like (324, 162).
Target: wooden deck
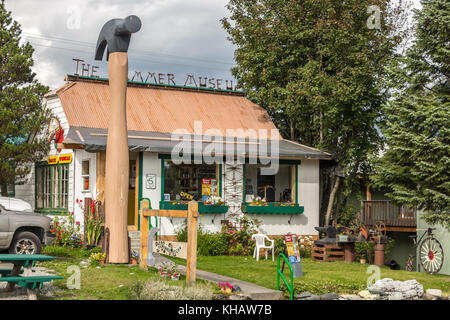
(396, 218)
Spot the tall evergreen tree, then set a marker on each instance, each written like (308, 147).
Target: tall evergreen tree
(22, 114)
(318, 69)
(415, 168)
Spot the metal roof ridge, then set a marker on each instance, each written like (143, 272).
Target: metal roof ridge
(305, 146)
(144, 85)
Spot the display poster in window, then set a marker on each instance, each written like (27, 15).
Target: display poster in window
(293, 254)
(206, 189)
(214, 186)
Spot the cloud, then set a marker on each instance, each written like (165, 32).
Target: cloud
(177, 36)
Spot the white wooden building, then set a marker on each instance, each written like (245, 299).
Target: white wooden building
(154, 113)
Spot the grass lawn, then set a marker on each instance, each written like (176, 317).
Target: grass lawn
(110, 282)
(319, 277)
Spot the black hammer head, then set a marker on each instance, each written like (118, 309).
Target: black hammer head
(116, 34)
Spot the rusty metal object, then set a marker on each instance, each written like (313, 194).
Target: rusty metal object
(379, 253)
(349, 252)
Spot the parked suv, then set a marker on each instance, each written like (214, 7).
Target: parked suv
(22, 231)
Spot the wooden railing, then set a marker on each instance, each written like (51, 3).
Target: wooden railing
(391, 214)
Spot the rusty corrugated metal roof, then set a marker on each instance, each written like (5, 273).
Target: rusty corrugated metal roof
(87, 103)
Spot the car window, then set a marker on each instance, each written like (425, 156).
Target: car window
(15, 205)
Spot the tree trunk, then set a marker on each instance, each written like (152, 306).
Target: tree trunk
(342, 201)
(4, 187)
(321, 129)
(331, 200)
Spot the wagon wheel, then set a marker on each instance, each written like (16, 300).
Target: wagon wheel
(380, 226)
(431, 255)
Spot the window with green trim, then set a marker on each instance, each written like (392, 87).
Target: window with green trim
(52, 185)
(271, 188)
(198, 180)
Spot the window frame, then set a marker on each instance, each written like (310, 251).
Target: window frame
(86, 175)
(272, 207)
(166, 204)
(43, 169)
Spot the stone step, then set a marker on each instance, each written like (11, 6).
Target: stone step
(134, 234)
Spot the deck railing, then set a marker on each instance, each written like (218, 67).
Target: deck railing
(391, 214)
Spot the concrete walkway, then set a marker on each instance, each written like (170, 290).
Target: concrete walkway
(254, 291)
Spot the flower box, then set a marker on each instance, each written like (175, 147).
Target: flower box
(202, 208)
(273, 208)
(173, 205)
(210, 208)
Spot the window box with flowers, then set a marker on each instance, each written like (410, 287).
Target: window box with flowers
(262, 207)
(214, 205)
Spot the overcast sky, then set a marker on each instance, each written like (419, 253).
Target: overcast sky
(177, 36)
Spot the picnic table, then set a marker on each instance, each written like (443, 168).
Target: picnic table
(27, 280)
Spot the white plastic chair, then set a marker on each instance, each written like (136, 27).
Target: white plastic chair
(260, 244)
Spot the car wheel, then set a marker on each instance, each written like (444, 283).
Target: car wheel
(25, 243)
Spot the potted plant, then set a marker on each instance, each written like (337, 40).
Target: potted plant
(134, 257)
(98, 257)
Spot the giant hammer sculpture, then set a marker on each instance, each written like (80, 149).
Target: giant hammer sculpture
(115, 35)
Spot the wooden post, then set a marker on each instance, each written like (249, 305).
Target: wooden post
(87, 208)
(117, 160)
(144, 234)
(191, 264)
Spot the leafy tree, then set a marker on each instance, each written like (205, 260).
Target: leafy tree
(319, 70)
(415, 168)
(22, 115)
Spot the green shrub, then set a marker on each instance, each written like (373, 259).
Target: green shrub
(233, 239)
(363, 248)
(279, 245)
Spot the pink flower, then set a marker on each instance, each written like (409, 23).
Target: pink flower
(78, 222)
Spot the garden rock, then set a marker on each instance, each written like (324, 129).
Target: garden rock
(350, 297)
(329, 296)
(236, 288)
(395, 296)
(239, 297)
(434, 293)
(365, 294)
(303, 295)
(396, 290)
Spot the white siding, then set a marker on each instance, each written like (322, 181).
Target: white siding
(272, 224)
(76, 183)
